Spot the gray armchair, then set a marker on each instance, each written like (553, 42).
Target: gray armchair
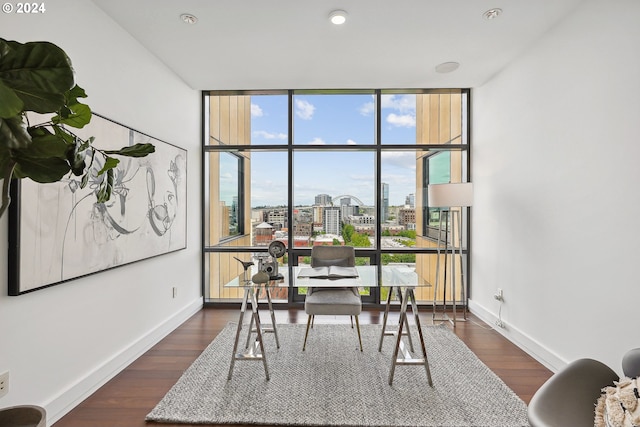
(568, 398)
(332, 301)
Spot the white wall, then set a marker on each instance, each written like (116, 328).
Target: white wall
(62, 342)
(556, 219)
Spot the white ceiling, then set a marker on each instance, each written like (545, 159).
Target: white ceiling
(290, 44)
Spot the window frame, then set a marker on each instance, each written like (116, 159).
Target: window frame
(374, 253)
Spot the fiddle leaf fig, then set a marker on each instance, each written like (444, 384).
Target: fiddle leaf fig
(74, 113)
(109, 164)
(13, 133)
(39, 73)
(11, 104)
(106, 187)
(136, 150)
(38, 77)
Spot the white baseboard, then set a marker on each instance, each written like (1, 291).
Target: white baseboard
(69, 398)
(529, 345)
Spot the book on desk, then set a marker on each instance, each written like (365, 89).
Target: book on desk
(328, 272)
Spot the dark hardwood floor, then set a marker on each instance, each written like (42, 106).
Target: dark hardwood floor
(126, 399)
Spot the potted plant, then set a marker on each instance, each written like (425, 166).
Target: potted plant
(37, 77)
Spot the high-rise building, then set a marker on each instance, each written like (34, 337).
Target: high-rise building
(410, 200)
(384, 207)
(331, 220)
(323, 200)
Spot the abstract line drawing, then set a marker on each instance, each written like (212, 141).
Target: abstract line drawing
(58, 232)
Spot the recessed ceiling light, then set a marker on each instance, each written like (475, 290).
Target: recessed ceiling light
(492, 13)
(338, 17)
(188, 18)
(447, 67)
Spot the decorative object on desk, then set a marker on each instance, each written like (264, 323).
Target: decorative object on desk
(341, 386)
(448, 197)
(268, 263)
(329, 272)
(59, 232)
(261, 277)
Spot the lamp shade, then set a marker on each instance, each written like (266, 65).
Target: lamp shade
(450, 195)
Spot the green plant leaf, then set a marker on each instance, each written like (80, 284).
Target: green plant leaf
(43, 170)
(44, 144)
(6, 172)
(136, 150)
(39, 73)
(109, 164)
(13, 133)
(106, 187)
(11, 104)
(76, 157)
(78, 115)
(74, 113)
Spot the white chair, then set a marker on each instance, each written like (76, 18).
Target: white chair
(333, 301)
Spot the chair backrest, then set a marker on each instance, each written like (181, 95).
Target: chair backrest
(568, 398)
(631, 363)
(344, 256)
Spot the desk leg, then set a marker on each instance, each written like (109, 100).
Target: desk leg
(243, 308)
(406, 358)
(403, 316)
(384, 333)
(406, 319)
(256, 317)
(256, 352)
(384, 319)
(273, 316)
(414, 309)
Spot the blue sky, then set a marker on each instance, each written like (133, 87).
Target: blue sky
(324, 120)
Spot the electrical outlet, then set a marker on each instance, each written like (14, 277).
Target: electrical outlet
(175, 292)
(500, 323)
(499, 295)
(4, 383)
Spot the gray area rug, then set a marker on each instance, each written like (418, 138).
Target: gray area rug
(332, 383)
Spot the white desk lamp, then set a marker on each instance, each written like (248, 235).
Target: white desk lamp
(445, 197)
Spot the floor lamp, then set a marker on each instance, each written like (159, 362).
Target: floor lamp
(445, 197)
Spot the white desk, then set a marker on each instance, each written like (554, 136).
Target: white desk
(402, 280)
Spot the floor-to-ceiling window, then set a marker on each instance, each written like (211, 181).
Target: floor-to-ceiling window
(327, 167)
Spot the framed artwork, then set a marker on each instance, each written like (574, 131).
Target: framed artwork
(58, 232)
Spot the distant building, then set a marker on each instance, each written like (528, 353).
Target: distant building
(406, 216)
(263, 234)
(384, 208)
(410, 200)
(331, 220)
(323, 200)
(278, 218)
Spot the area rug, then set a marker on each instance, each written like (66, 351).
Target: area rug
(332, 383)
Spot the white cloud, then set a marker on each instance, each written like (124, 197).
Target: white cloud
(268, 135)
(256, 111)
(351, 142)
(317, 141)
(368, 108)
(304, 109)
(405, 120)
(401, 103)
(402, 159)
